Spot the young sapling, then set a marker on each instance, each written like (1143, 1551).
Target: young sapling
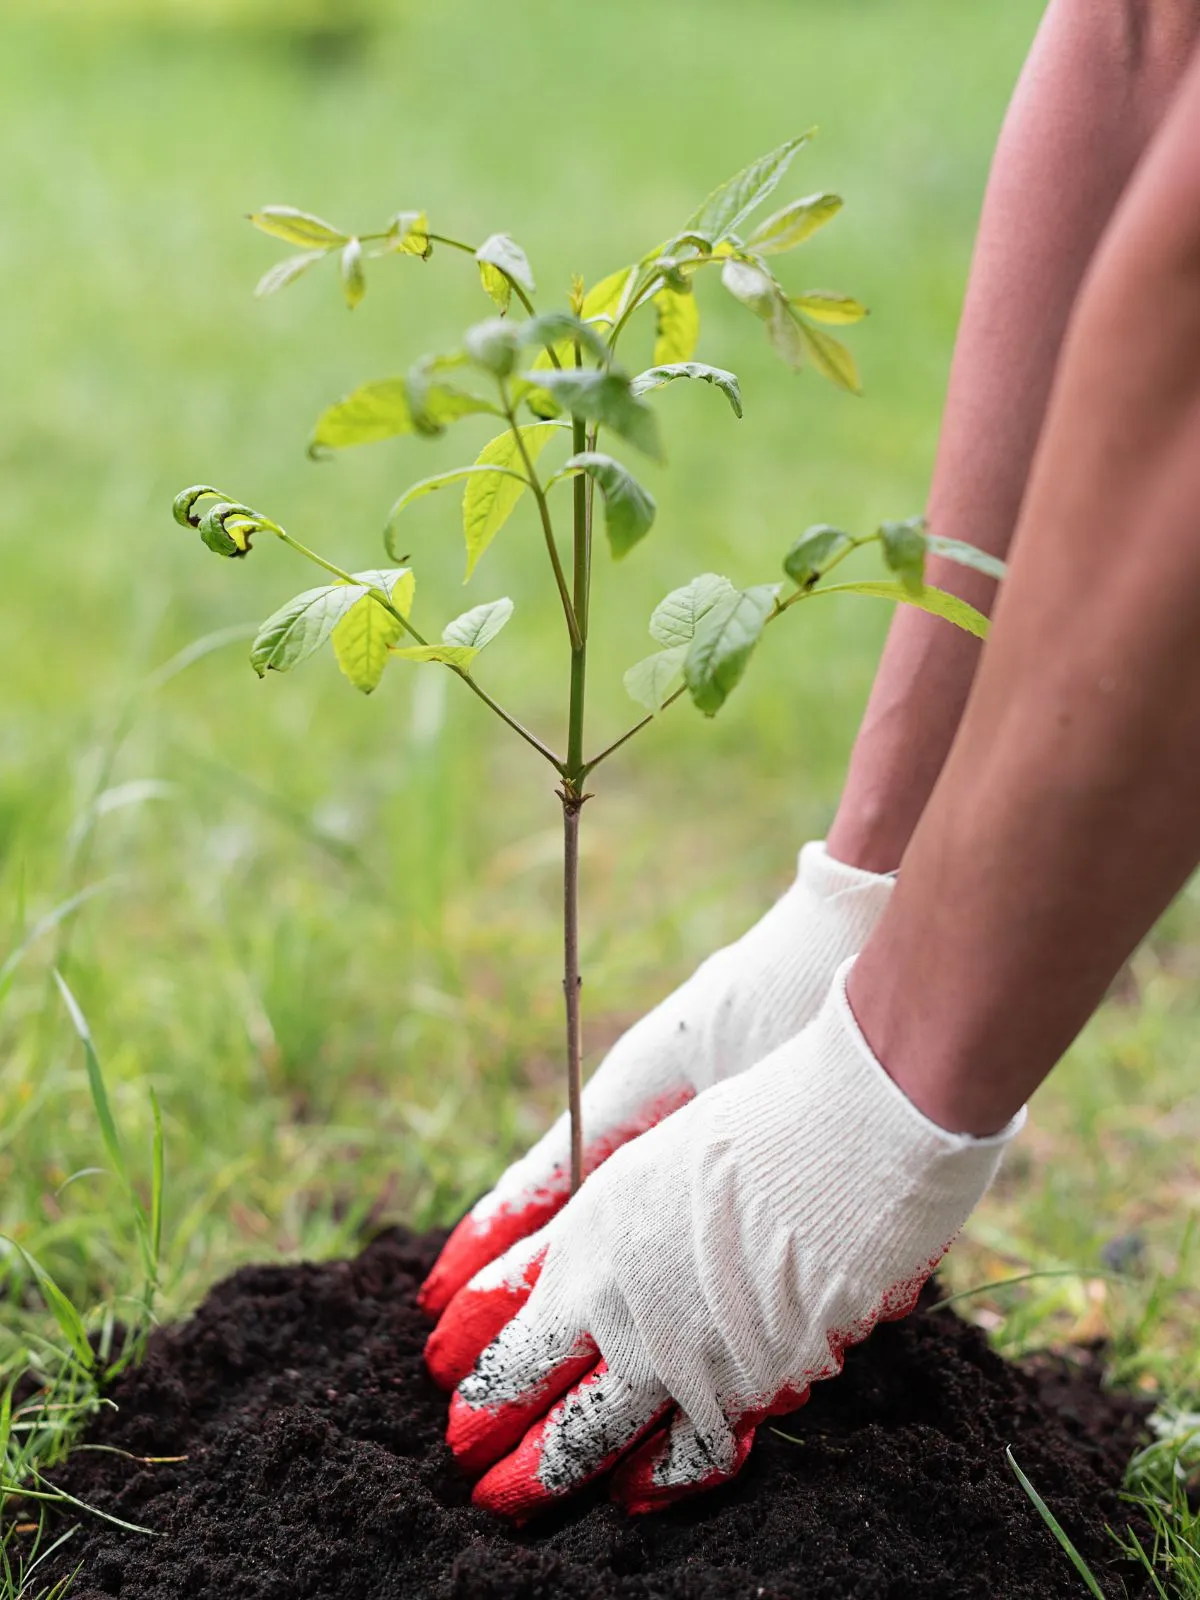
(552, 384)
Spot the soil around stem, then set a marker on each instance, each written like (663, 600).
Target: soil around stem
(316, 1470)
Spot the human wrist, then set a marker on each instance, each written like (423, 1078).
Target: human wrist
(939, 1075)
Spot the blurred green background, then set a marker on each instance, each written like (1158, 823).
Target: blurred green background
(326, 928)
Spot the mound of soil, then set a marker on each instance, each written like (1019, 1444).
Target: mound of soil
(316, 1471)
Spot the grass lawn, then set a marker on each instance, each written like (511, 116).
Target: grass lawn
(323, 928)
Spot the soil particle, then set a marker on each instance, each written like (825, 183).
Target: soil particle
(316, 1470)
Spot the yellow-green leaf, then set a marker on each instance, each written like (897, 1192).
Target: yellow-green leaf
(794, 224)
(354, 282)
(831, 358)
(603, 301)
(823, 305)
(362, 638)
(449, 655)
(936, 601)
(677, 326)
(491, 497)
(297, 227)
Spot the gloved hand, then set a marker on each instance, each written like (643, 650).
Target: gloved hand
(709, 1274)
(737, 1006)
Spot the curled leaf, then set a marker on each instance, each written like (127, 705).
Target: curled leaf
(504, 254)
(656, 377)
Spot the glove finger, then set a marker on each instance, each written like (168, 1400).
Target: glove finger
(485, 1234)
(502, 1218)
(478, 1312)
(514, 1383)
(588, 1430)
(677, 1462)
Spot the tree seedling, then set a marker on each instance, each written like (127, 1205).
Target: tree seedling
(555, 390)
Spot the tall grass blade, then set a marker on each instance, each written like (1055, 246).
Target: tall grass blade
(1056, 1528)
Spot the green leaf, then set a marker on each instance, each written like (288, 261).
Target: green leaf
(717, 656)
(936, 601)
(656, 377)
(654, 680)
(287, 271)
(354, 282)
(491, 497)
(561, 328)
(408, 235)
(494, 345)
(384, 410)
(966, 555)
(675, 618)
(476, 628)
(677, 326)
(496, 286)
(297, 227)
(362, 638)
(794, 224)
(448, 655)
(603, 301)
(813, 551)
(504, 254)
(831, 358)
(823, 305)
(629, 510)
(607, 398)
(728, 207)
(292, 633)
(904, 545)
(752, 285)
(441, 480)
(371, 412)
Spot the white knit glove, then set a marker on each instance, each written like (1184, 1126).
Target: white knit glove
(733, 1011)
(710, 1273)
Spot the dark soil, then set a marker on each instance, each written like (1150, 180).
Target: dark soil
(316, 1471)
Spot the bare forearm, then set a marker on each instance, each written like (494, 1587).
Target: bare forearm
(1068, 813)
(1094, 90)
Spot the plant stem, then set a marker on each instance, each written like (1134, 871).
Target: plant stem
(572, 804)
(543, 505)
(573, 796)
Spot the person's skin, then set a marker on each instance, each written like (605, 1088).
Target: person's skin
(1068, 812)
(1094, 90)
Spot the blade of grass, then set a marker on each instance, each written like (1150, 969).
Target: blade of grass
(1056, 1528)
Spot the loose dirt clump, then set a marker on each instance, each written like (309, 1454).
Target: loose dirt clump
(316, 1471)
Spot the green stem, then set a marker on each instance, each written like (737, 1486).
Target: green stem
(543, 505)
(458, 244)
(381, 599)
(573, 798)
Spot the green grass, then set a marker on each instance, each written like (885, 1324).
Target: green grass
(323, 930)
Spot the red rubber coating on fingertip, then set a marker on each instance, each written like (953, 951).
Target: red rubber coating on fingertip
(481, 1435)
(473, 1319)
